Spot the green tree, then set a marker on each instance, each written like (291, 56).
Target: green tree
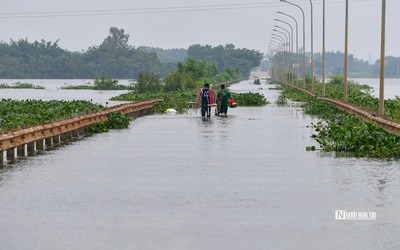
(178, 81)
(228, 55)
(148, 82)
(116, 58)
(105, 83)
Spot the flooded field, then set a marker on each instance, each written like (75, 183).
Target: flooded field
(182, 182)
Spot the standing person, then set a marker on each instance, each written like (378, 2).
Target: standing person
(223, 97)
(205, 100)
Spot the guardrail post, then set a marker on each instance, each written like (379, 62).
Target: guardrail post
(48, 141)
(31, 147)
(66, 136)
(82, 131)
(11, 154)
(56, 139)
(75, 133)
(21, 150)
(40, 144)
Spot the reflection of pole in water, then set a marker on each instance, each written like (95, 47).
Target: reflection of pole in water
(398, 69)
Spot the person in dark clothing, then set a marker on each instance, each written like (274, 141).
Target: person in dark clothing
(222, 98)
(205, 100)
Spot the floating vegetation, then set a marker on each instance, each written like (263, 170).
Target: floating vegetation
(102, 83)
(116, 87)
(339, 131)
(116, 120)
(249, 99)
(77, 87)
(15, 113)
(20, 85)
(282, 100)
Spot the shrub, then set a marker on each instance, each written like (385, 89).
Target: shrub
(148, 82)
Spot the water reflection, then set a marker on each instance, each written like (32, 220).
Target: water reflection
(374, 181)
(392, 86)
(242, 182)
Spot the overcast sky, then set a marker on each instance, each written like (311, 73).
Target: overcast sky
(79, 24)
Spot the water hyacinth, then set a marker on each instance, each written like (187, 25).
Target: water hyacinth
(339, 131)
(15, 113)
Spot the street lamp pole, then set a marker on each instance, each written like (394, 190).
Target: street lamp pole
(312, 50)
(346, 41)
(273, 42)
(382, 65)
(278, 38)
(288, 49)
(304, 42)
(286, 39)
(289, 54)
(291, 50)
(273, 48)
(284, 42)
(297, 43)
(323, 48)
(277, 42)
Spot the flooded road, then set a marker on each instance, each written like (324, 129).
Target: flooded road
(181, 182)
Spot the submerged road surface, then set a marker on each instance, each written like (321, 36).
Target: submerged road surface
(181, 182)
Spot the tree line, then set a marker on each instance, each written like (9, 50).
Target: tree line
(114, 57)
(228, 55)
(334, 62)
(357, 67)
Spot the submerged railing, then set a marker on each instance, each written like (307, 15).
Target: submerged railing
(20, 142)
(386, 124)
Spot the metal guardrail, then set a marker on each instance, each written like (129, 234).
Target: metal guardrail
(386, 124)
(14, 139)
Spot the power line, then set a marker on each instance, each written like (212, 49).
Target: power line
(130, 11)
(136, 11)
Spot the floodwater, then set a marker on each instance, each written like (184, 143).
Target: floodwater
(53, 91)
(391, 86)
(182, 182)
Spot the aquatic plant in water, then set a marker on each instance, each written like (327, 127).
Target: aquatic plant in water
(15, 113)
(339, 131)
